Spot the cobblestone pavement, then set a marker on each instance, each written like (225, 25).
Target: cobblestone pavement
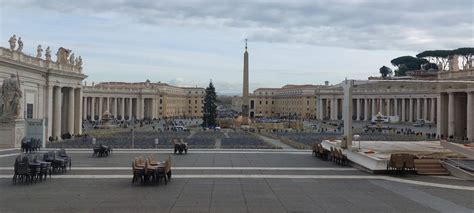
(229, 181)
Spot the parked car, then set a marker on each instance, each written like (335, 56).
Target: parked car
(180, 128)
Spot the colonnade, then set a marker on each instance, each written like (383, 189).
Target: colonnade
(408, 109)
(123, 108)
(456, 115)
(65, 111)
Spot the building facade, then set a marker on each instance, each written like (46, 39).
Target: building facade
(298, 101)
(142, 100)
(55, 98)
(51, 90)
(446, 103)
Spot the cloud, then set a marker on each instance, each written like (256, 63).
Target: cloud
(360, 24)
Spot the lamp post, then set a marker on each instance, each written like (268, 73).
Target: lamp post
(133, 137)
(357, 137)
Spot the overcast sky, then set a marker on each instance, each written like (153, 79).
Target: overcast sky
(186, 42)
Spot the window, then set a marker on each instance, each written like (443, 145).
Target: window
(260, 102)
(29, 111)
(161, 101)
(195, 101)
(273, 102)
(266, 102)
(189, 101)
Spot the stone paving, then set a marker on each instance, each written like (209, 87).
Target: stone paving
(206, 181)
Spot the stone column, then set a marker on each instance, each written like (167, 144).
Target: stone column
(49, 107)
(101, 108)
(442, 117)
(334, 109)
(418, 108)
(425, 109)
(470, 116)
(92, 108)
(433, 110)
(130, 108)
(57, 113)
(451, 114)
(373, 108)
(78, 111)
(395, 105)
(326, 106)
(366, 109)
(410, 110)
(70, 111)
(142, 108)
(358, 109)
(403, 111)
(107, 104)
(320, 109)
(381, 106)
(155, 108)
(115, 108)
(84, 108)
(122, 109)
(389, 107)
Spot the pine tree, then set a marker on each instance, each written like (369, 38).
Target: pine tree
(210, 107)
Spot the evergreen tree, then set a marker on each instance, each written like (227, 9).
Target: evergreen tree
(210, 107)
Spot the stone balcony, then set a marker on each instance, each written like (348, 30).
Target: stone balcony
(467, 75)
(24, 59)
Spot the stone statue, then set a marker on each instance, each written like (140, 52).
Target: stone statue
(12, 42)
(454, 63)
(11, 95)
(48, 54)
(71, 59)
(62, 55)
(79, 62)
(39, 51)
(440, 66)
(20, 45)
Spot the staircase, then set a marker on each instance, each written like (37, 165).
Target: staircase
(430, 167)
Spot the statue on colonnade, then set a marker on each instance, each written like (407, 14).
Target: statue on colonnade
(39, 51)
(20, 45)
(62, 55)
(11, 95)
(12, 42)
(48, 54)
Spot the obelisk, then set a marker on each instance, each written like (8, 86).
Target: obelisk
(245, 92)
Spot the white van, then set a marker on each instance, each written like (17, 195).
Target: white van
(180, 128)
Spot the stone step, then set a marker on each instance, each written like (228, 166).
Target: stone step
(433, 172)
(426, 161)
(434, 165)
(430, 167)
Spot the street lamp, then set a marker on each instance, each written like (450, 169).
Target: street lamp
(357, 137)
(133, 137)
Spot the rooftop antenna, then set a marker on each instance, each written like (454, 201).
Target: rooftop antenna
(246, 44)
